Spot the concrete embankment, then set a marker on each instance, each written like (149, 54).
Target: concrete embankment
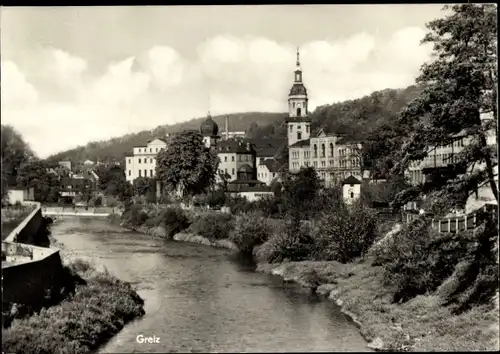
(29, 271)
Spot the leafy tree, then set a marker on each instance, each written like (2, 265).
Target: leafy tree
(187, 165)
(15, 151)
(460, 87)
(300, 190)
(143, 185)
(112, 182)
(33, 174)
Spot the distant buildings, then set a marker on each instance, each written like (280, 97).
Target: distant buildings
(66, 164)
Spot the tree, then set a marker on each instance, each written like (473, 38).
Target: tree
(15, 151)
(300, 190)
(187, 165)
(459, 88)
(112, 182)
(33, 174)
(143, 185)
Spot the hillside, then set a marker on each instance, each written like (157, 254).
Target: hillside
(360, 118)
(116, 148)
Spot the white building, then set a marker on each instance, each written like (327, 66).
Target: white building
(142, 161)
(269, 170)
(351, 189)
(333, 157)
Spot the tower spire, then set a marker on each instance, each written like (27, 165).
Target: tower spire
(208, 105)
(298, 57)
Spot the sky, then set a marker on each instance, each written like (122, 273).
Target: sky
(71, 75)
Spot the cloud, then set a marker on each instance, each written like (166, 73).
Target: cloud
(57, 103)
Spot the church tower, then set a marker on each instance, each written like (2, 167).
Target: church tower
(298, 123)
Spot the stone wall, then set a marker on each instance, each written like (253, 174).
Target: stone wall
(29, 272)
(29, 282)
(28, 229)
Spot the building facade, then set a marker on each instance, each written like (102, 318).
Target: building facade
(443, 156)
(333, 157)
(142, 161)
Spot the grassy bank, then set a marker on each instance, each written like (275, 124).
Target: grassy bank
(421, 324)
(99, 307)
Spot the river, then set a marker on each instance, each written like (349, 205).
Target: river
(201, 299)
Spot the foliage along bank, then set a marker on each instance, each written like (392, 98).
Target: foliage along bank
(97, 307)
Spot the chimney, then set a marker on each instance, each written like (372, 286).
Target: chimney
(227, 127)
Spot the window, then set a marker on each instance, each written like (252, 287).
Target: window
(150, 149)
(331, 149)
(298, 128)
(225, 158)
(150, 173)
(139, 150)
(130, 172)
(352, 195)
(293, 104)
(299, 136)
(274, 174)
(232, 158)
(315, 163)
(232, 172)
(156, 149)
(299, 112)
(129, 161)
(291, 128)
(307, 128)
(145, 173)
(315, 150)
(139, 160)
(225, 170)
(139, 173)
(322, 150)
(151, 160)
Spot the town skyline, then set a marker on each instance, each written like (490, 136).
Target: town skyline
(57, 77)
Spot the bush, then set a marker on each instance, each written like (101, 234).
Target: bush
(135, 215)
(239, 205)
(175, 220)
(292, 241)
(214, 226)
(98, 201)
(419, 260)
(250, 230)
(80, 323)
(345, 233)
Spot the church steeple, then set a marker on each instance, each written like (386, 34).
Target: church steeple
(298, 122)
(298, 69)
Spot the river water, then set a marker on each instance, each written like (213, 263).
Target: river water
(201, 299)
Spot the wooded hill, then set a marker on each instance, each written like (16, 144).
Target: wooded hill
(359, 118)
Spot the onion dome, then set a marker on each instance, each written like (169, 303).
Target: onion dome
(209, 127)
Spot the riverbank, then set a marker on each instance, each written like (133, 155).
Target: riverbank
(421, 324)
(98, 307)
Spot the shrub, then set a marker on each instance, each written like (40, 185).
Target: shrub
(173, 219)
(250, 230)
(239, 205)
(135, 215)
(216, 199)
(214, 226)
(292, 241)
(345, 233)
(98, 201)
(419, 260)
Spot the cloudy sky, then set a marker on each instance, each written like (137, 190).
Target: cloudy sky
(71, 75)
